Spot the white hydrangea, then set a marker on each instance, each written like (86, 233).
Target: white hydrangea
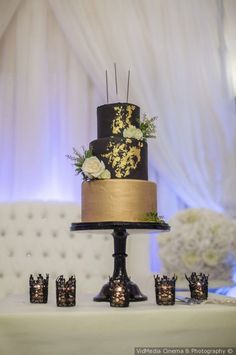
(200, 240)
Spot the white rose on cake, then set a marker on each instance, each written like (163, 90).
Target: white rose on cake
(93, 167)
(138, 134)
(133, 132)
(105, 175)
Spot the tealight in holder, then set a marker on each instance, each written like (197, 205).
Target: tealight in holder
(66, 291)
(119, 292)
(165, 290)
(38, 289)
(198, 285)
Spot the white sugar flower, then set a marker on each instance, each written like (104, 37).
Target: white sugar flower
(138, 134)
(133, 132)
(93, 167)
(105, 175)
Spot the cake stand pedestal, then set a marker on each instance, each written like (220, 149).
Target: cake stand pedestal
(119, 233)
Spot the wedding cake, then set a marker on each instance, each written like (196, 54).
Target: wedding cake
(115, 169)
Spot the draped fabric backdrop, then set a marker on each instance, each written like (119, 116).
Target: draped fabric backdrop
(182, 57)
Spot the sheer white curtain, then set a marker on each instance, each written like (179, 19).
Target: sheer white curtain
(230, 30)
(46, 107)
(53, 56)
(176, 51)
(8, 9)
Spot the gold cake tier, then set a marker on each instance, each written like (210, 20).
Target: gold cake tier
(116, 200)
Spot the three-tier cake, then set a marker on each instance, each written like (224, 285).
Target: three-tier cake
(126, 195)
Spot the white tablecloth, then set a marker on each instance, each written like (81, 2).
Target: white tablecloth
(96, 328)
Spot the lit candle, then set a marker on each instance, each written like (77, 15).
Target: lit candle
(66, 291)
(119, 292)
(165, 290)
(198, 285)
(38, 289)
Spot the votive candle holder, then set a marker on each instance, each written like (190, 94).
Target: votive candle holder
(165, 290)
(38, 289)
(66, 291)
(198, 285)
(119, 292)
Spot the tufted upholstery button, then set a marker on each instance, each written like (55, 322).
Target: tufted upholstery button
(63, 255)
(39, 234)
(54, 234)
(3, 233)
(11, 253)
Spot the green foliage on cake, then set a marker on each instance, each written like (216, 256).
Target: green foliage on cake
(153, 217)
(148, 126)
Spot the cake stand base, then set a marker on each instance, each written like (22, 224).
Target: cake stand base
(120, 235)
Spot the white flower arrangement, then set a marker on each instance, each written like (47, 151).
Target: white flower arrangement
(133, 132)
(200, 240)
(147, 129)
(90, 166)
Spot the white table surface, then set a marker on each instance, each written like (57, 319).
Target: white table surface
(96, 328)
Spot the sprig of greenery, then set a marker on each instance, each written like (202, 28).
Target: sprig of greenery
(78, 160)
(148, 126)
(153, 217)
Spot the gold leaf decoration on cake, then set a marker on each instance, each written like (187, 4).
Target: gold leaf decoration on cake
(122, 118)
(123, 156)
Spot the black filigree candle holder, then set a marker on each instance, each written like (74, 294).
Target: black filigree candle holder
(66, 291)
(38, 289)
(198, 285)
(165, 290)
(119, 292)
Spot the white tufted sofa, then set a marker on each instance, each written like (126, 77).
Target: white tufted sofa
(35, 238)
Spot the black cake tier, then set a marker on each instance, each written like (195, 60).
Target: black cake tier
(123, 157)
(112, 119)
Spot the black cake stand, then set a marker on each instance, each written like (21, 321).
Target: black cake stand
(120, 234)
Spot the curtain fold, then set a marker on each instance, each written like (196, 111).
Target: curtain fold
(46, 103)
(8, 8)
